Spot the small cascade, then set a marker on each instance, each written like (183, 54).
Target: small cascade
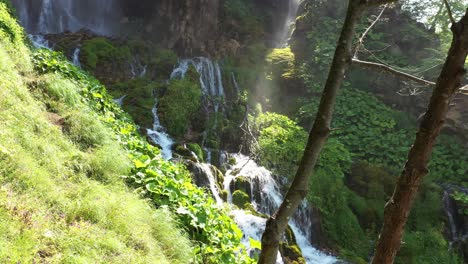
(137, 69)
(120, 100)
(449, 210)
(235, 83)
(266, 198)
(159, 136)
(212, 182)
(210, 78)
(39, 41)
(76, 57)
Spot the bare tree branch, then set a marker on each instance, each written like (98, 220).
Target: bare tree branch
(361, 39)
(449, 11)
(387, 69)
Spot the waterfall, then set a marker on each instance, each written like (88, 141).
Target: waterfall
(211, 80)
(76, 57)
(283, 34)
(159, 136)
(235, 83)
(266, 198)
(137, 69)
(57, 16)
(39, 41)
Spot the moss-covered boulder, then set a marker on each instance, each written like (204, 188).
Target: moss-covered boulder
(290, 251)
(241, 183)
(195, 148)
(240, 199)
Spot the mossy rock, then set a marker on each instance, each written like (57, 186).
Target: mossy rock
(185, 153)
(232, 161)
(291, 254)
(219, 177)
(223, 194)
(289, 249)
(240, 198)
(102, 49)
(241, 183)
(195, 148)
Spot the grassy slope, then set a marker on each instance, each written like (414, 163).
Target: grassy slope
(61, 195)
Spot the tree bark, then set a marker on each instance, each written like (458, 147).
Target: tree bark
(278, 222)
(398, 207)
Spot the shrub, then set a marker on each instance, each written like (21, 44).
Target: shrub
(281, 142)
(186, 93)
(97, 49)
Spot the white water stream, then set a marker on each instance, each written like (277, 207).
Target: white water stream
(263, 184)
(39, 41)
(159, 135)
(76, 57)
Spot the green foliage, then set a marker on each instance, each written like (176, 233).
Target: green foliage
(369, 130)
(462, 202)
(330, 195)
(281, 142)
(101, 49)
(282, 63)
(186, 92)
(243, 12)
(429, 246)
(167, 184)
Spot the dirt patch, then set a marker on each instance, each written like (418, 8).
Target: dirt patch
(55, 119)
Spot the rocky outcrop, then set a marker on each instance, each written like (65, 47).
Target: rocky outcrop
(188, 26)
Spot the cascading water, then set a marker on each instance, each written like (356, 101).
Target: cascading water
(283, 35)
(76, 57)
(159, 135)
(210, 78)
(57, 16)
(266, 198)
(137, 69)
(39, 41)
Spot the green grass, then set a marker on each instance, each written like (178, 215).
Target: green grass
(62, 197)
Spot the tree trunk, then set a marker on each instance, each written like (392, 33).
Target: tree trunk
(278, 222)
(398, 207)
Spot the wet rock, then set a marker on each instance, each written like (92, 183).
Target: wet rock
(290, 251)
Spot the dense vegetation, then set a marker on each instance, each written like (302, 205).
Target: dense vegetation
(358, 167)
(79, 183)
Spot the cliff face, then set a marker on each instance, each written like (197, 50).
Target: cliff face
(192, 28)
(192, 25)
